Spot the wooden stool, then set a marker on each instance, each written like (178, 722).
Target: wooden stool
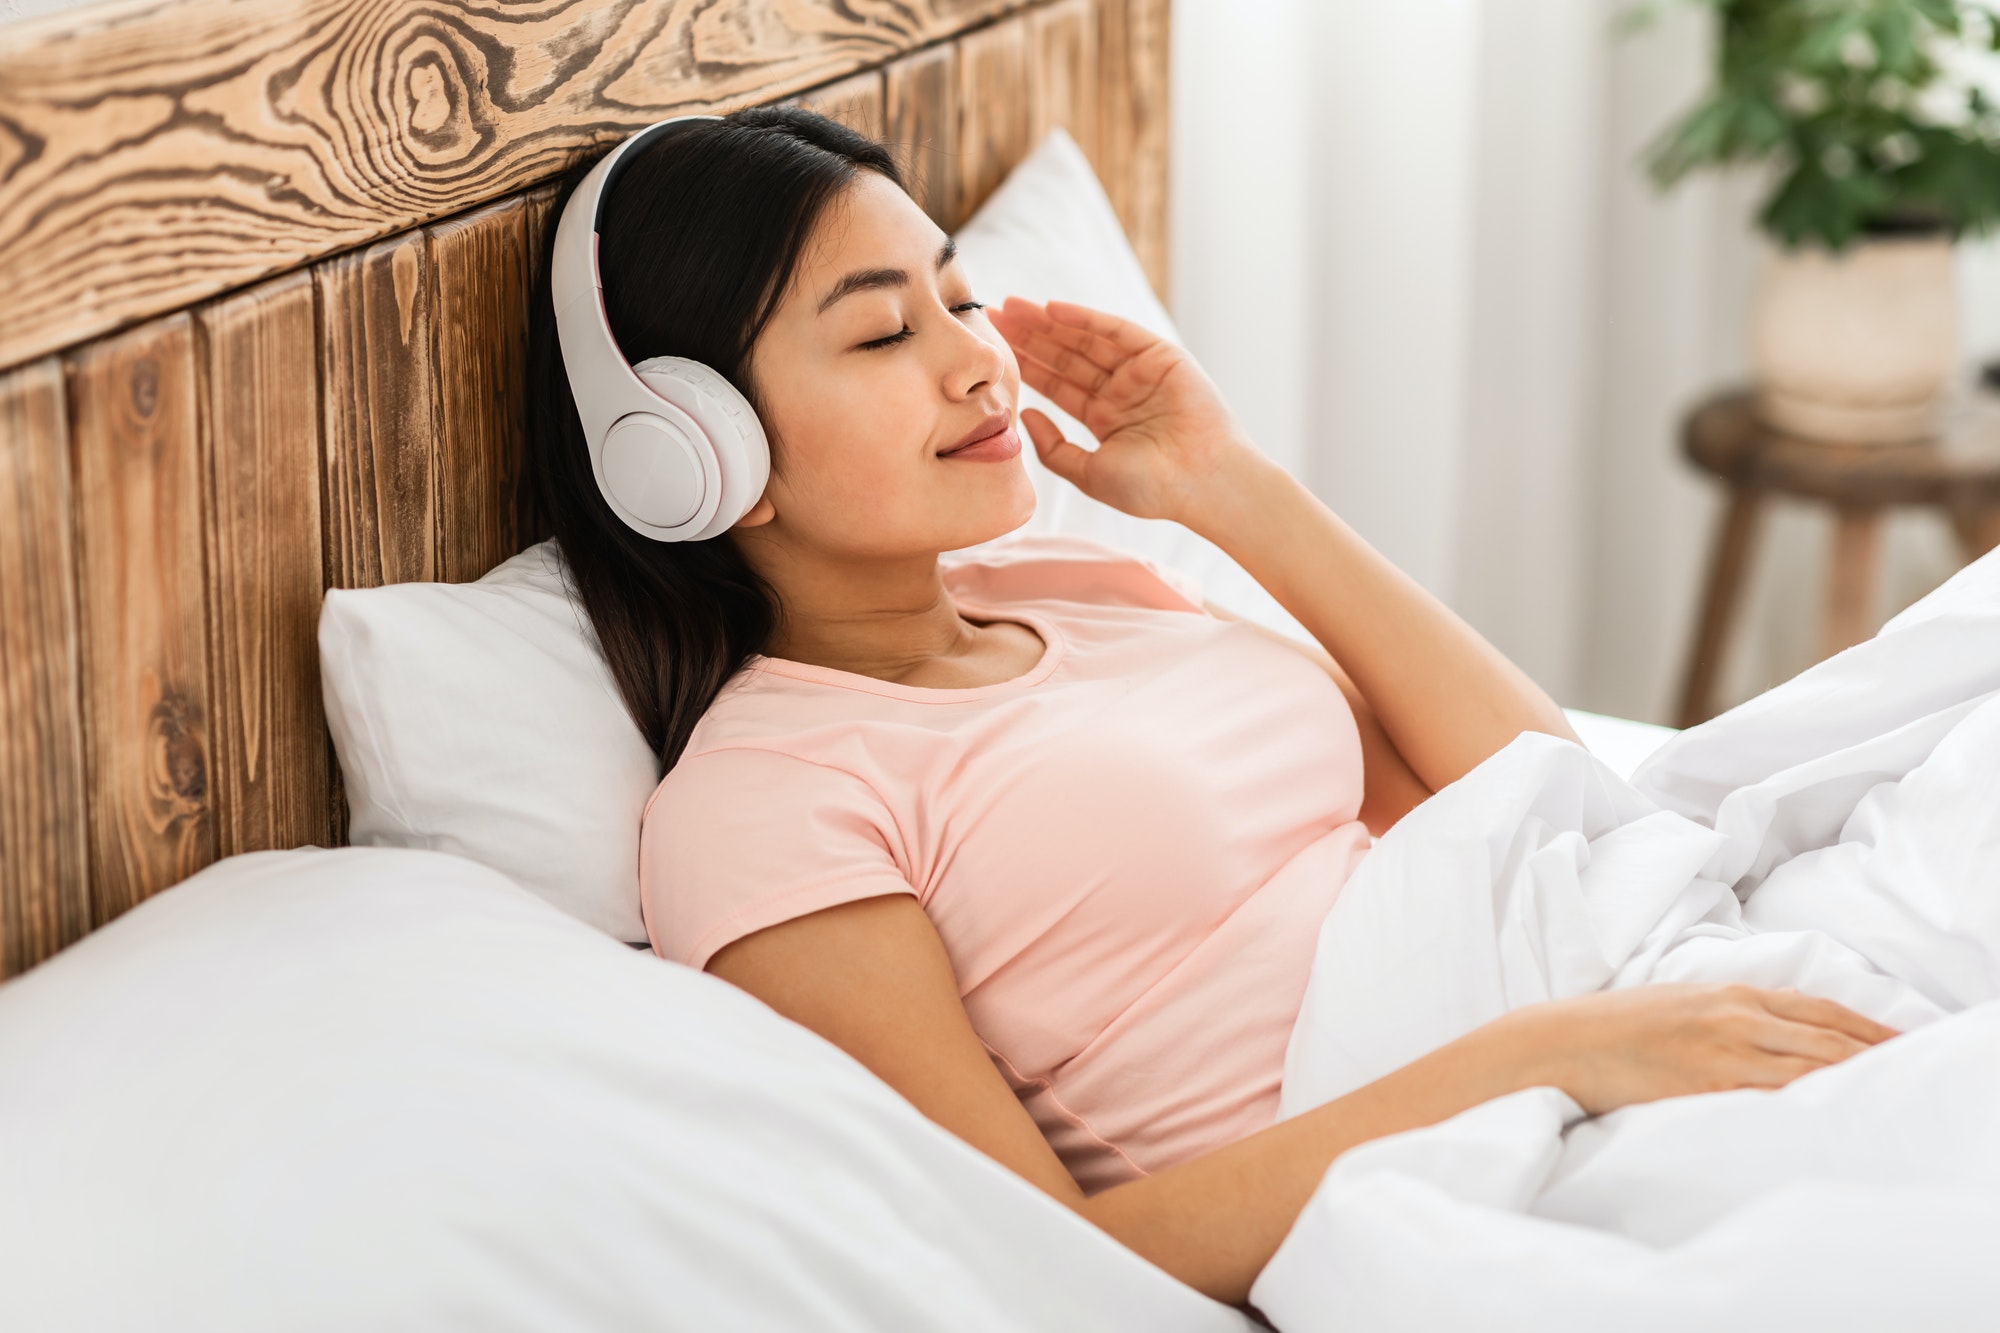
(1958, 474)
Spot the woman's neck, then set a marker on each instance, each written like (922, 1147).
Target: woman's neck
(886, 619)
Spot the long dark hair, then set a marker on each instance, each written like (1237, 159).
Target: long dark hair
(699, 238)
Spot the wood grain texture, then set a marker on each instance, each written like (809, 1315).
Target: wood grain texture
(265, 575)
(173, 498)
(1132, 95)
(157, 152)
(44, 881)
(920, 98)
(481, 278)
(540, 220)
(380, 486)
(1064, 70)
(137, 460)
(855, 102)
(995, 113)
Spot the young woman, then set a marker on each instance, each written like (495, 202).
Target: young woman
(1037, 838)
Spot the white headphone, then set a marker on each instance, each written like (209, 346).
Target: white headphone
(677, 450)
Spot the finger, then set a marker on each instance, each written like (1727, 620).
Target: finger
(1027, 325)
(1123, 334)
(1072, 366)
(1018, 315)
(1063, 393)
(1781, 1036)
(1099, 350)
(1803, 1008)
(1061, 457)
(1105, 353)
(1774, 1071)
(1053, 340)
(1015, 315)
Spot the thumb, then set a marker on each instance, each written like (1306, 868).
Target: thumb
(1061, 457)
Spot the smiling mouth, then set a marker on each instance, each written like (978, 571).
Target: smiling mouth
(993, 447)
(987, 432)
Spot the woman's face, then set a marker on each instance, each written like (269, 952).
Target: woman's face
(876, 363)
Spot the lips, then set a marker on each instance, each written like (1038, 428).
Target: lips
(991, 428)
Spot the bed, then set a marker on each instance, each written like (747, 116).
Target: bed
(264, 266)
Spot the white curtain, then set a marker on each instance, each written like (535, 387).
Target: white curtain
(1414, 245)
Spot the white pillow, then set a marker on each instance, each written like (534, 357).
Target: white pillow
(367, 1089)
(479, 718)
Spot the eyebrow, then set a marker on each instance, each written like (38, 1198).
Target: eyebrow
(867, 279)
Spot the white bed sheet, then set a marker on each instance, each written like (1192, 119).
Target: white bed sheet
(1840, 834)
(1620, 742)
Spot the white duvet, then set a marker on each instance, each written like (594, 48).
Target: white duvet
(1840, 834)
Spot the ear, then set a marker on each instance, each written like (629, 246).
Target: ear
(760, 513)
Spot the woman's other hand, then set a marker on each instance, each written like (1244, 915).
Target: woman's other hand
(1613, 1048)
(1165, 438)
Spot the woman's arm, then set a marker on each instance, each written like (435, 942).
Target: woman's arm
(1445, 697)
(872, 977)
(1170, 449)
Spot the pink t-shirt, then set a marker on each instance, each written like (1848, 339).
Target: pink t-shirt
(1127, 851)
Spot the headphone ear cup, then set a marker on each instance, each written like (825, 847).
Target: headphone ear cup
(733, 434)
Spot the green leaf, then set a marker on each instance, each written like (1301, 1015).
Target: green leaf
(1813, 206)
(1820, 49)
(1894, 32)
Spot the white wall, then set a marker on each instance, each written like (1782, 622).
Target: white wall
(1415, 246)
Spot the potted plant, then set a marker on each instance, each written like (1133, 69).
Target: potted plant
(1879, 121)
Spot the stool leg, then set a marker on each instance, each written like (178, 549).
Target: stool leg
(1726, 562)
(1978, 529)
(1850, 589)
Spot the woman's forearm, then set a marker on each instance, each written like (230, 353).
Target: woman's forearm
(1446, 697)
(1214, 1222)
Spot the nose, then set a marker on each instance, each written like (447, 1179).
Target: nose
(975, 361)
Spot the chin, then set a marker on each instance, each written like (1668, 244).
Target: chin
(1002, 523)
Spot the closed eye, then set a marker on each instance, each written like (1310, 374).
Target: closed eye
(963, 308)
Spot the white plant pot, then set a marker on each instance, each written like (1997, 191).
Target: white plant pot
(1860, 346)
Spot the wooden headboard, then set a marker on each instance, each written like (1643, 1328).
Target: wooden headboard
(264, 273)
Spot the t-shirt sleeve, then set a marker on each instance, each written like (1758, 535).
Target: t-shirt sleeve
(736, 840)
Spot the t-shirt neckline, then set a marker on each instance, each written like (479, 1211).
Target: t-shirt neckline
(1053, 647)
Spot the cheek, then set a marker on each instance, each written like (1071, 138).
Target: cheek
(848, 434)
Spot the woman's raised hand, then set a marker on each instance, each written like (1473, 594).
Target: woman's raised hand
(1165, 439)
(1611, 1048)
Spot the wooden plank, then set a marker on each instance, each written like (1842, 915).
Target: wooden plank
(1132, 50)
(137, 460)
(855, 102)
(540, 219)
(995, 115)
(379, 488)
(44, 881)
(268, 733)
(921, 126)
(1064, 36)
(157, 152)
(481, 278)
